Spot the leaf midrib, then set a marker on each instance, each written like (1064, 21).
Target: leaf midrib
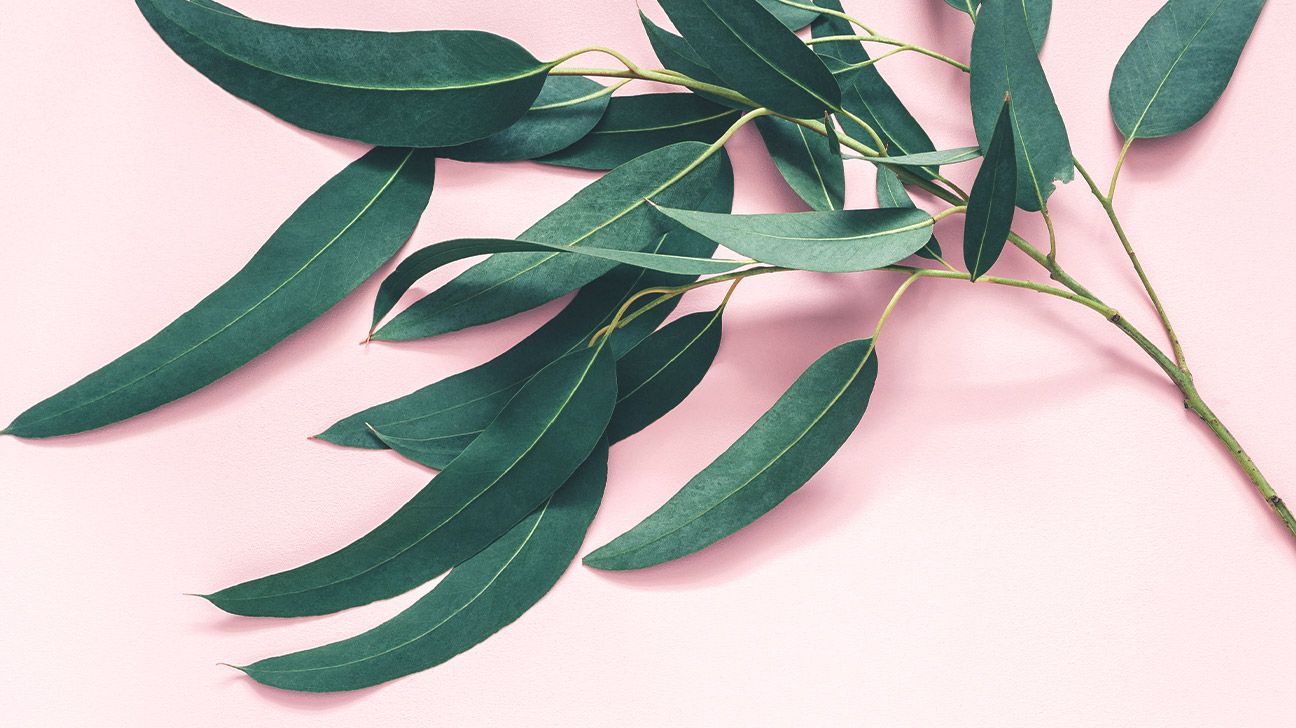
(696, 121)
(1165, 78)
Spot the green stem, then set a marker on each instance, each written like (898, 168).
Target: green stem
(892, 42)
(831, 12)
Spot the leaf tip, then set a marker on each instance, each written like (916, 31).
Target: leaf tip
(243, 669)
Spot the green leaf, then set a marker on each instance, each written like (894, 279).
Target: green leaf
(655, 376)
(792, 18)
(831, 242)
(964, 6)
(477, 599)
(610, 213)
(783, 450)
(936, 158)
(1179, 64)
(335, 241)
(636, 125)
(1004, 63)
(990, 206)
(676, 54)
(567, 109)
(539, 439)
(813, 172)
(418, 89)
(891, 192)
(754, 54)
(1038, 15)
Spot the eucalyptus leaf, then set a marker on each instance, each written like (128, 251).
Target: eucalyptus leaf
(936, 158)
(535, 444)
(568, 108)
(830, 242)
(610, 213)
(990, 205)
(792, 17)
(418, 89)
(1038, 15)
(478, 598)
(891, 192)
(1004, 63)
(964, 6)
(677, 55)
(636, 125)
(756, 55)
(330, 245)
(783, 450)
(808, 165)
(1179, 64)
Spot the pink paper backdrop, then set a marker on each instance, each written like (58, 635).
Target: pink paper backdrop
(1028, 529)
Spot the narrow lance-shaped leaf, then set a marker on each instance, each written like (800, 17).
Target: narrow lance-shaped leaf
(1004, 63)
(891, 192)
(417, 89)
(539, 439)
(1038, 15)
(756, 55)
(810, 168)
(990, 205)
(610, 213)
(1179, 64)
(783, 450)
(936, 158)
(677, 55)
(477, 599)
(335, 241)
(566, 110)
(831, 242)
(636, 125)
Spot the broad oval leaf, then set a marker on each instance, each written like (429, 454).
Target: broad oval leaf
(659, 373)
(330, 245)
(416, 89)
(990, 206)
(783, 450)
(756, 55)
(1038, 15)
(891, 192)
(610, 213)
(636, 125)
(1179, 64)
(806, 161)
(477, 599)
(830, 242)
(539, 439)
(1004, 63)
(568, 108)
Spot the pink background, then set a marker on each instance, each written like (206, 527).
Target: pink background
(1028, 529)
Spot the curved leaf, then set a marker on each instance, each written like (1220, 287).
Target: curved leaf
(891, 192)
(539, 439)
(338, 238)
(936, 158)
(755, 55)
(417, 89)
(830, 242)
(792, 17)
(806, 162)
(566, 110)
(477, 599)
(636, 125)
(1179, 64)
(1004, 63)
(677, 55)
(783, 450)
(610, 213)
(990, 206)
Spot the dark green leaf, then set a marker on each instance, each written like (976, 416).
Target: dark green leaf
(891, 192)
(566, 110)
(329, 246)
(806, 162)
(965, 6)
(832, 242)
(677, 55)
(655, 376)
(783, 450)
(477, 599)
(539, 439)
(936, 158)
(990, 206)
(636, 125)
(418, 89)
(755, 55)
(1179, 64)
(610, 213)
(1004, 63)
(792, 17)
(1038, 15)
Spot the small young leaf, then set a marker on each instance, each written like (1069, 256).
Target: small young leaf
(539, 439)
(636, 125)
(792, 17)
(813, 172)
(783, 450)
(477, 599)
(655, 376)
(1004, 63)
(990, 206)
(418, 89)
(891, 192)
(754, 54)
(831, 242)
(1179, 64)
(1038, 15)
(936, 158)
(338, 238)
(567, 109)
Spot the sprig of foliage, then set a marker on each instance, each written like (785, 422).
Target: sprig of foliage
(521, 442)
